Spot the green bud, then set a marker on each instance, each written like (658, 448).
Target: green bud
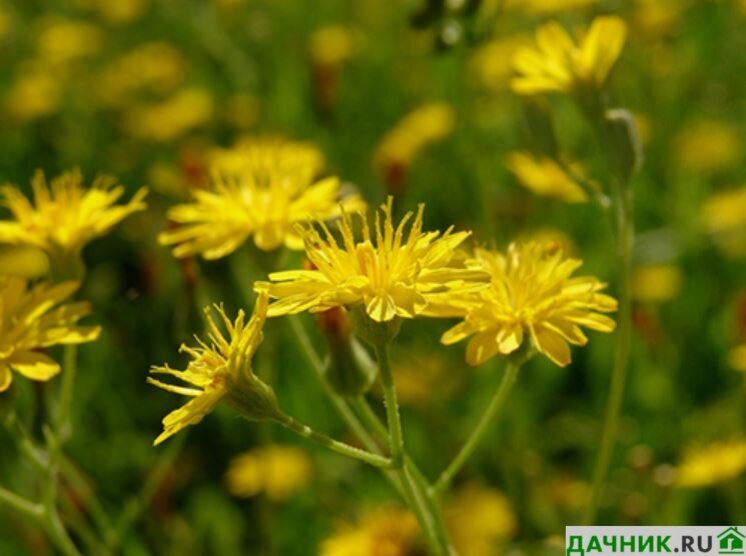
(373, 332)
(252, 398)
(625, 141)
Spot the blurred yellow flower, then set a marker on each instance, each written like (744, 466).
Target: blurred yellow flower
(479, 518)
(277, 471)
(657, 18)
(558, 64)
(385, 532)
(737, 358)
(6, 23)
(241, 110)
(35, 318)
(220, 371)
(421, 127)
(422, 378)
(567, 492)
(62, 41)
(172, 118)
(707, 146)
(121, 11)
(712, 464)
(656, 283)
(492, 63)
(64, 215)
(33, 94)
(331, 45)
(260, 189)
(23, 261)
(532, 293)
(545, 177)
(390, 276)
(724, 216)
(157, 67)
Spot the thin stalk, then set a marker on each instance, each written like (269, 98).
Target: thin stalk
(476, 436)
(21, 505)
(69, 369)
(625, 237)
(429, 522)
(53, 524)
(334, 445)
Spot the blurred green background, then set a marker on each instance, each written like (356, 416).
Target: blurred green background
(143, 89)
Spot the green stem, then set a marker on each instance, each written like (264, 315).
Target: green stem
(476, 436)
(625, 238)
(53, 524)
(21, 505)
(434, 533)
(334, 445)
(69, 368)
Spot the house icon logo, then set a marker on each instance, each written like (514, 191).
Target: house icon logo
(731, 541)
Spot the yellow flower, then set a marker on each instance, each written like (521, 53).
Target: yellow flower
(712, 464)
(390, 275)
(170, 119)
(545, 177)
(262, 188)
(220, 371)
(492, 63)
(707, 146)
(34, 94)
(33, 319)
(724, 216)
(558, 64)
(63, 41)
(331, 45)
(656, 283)
(278, 471)
(543, 7)
(389, 532)
(532, 294)
(421, 127)
(64, 216)
(477, 518)
(737, 358)
(23, 261)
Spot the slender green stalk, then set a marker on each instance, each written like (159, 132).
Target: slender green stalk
(69, 369)
(476, 436)
(625, 236)
(53, 524)
(434, 533)
(21, 505)
(334, 445)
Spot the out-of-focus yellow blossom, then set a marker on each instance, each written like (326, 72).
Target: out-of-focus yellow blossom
(425, 125)
(262, 189)
(389, 275)
(724, 216)
(558, 64)
(478, 519)
(241, 110)
(23, 261)
(707, 146)
(546, 7)
(64, 215)
(62, 41)
(656, 283)
(32, 319)
(331, 45)
(120, 11)
(568, 493)
(532, 294)
(712, 464)
(170, 119)
(6, 23)
(385, 532)
(657, 18)
(156, 67)
(644, 128)
(33, 94)
(545, 177)
(277, 471)
(492, 64)
(167, 179)
(419, 377)
(220, 370)
(737, 358)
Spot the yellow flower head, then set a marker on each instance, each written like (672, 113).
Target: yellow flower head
(391, 274)
(33, 319)
(220, 370)
(532, 294)
(331, 45)
(545, 177)
(724, 217)
(261, 188)
(167, 120)
(558, 64)
(64, 216)
(277, 471)
(712, 464)
(389, 532)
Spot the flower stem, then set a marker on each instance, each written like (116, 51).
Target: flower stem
(21, 505)
(64, 422)
(444, 481)
(625, 237)
(334, 445)
(429, 521)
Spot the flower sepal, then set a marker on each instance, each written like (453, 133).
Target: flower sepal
(371, 331)
(254, 399)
